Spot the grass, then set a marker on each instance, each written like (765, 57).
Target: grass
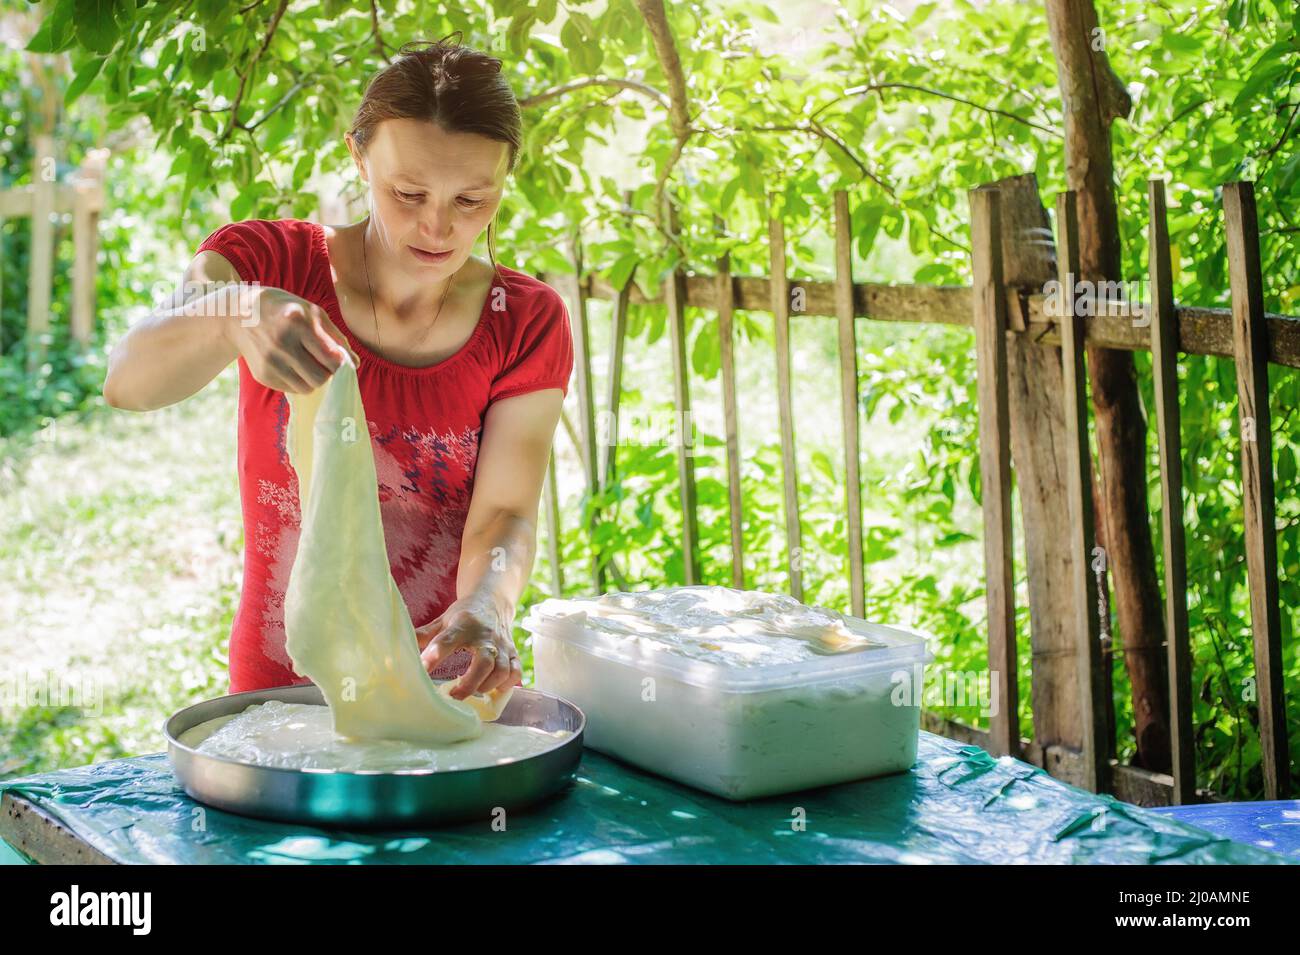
(121, 559)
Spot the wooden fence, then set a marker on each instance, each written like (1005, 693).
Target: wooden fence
(43, 200)
(1032, 397)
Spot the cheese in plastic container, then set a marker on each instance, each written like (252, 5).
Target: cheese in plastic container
(739, 693)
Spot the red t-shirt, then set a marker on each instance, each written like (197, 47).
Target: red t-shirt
(424, 425)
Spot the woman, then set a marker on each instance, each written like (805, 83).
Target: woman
(463, 367)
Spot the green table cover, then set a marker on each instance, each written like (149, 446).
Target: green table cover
(956, 805)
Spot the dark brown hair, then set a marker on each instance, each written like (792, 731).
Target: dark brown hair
(459, 88)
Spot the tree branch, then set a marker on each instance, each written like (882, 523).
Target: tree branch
(666, 51)
(878, 87)
(821, 132)
(536, 99)
(1286, 132)
(276, 108)
(374, 32)
(243, 78)
(1181, 113)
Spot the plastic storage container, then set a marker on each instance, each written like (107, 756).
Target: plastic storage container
(710, 689)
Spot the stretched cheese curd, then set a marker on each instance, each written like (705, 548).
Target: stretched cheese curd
(348, 629)
(740, 693)
(301, 736)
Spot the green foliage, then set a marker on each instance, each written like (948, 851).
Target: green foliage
(120, 557)
(65, 381)
(64, 377)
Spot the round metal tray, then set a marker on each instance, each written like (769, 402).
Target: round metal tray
(374, 799)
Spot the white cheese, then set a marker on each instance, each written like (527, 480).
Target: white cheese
(740, 693)
(301, 736)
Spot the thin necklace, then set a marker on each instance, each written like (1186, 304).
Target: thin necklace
(371, 289)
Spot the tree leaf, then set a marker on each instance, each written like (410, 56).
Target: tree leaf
(86, 74)
(97, 23)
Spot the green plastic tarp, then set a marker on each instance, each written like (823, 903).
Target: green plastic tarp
(956, 805)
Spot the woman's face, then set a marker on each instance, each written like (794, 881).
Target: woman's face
(432, 191)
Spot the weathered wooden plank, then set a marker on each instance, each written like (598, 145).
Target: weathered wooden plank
(19, 201)
(675, 300)
(730, 416)
(780, 308)
(1258, 502)
(1201, 331)
(85, 245)
(614, 396)
(2, 280)
(1092, 686)
(609, 464)
(989, 319)
(553, 528)
(613, 402)
(1123, 325)
(935, 304)
(41, 837)
(1164, 372)
(88, 202)
(1038, 460)
(586, 396)
(40, 277)
(848, 358)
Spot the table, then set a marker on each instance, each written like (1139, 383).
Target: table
(956, 805)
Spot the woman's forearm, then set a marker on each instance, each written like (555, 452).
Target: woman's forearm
(496, 561)
(177, 350)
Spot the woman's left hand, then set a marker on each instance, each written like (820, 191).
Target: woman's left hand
(478, 625)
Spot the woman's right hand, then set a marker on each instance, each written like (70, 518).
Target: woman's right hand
(289, 344)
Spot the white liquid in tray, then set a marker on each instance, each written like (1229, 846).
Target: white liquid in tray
(301, 736)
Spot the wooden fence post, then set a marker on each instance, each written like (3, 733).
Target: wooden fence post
(1164, 371)
(1250, 346)
(848, 354)
(675, 299)
(2, 275)
(618, 339)
(1037, 453)
(87, 201)
(1092, 686)
(780, 291)
(553, 528)
(41, 267)
(730, 416)
(989, 298)
(586, 401)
